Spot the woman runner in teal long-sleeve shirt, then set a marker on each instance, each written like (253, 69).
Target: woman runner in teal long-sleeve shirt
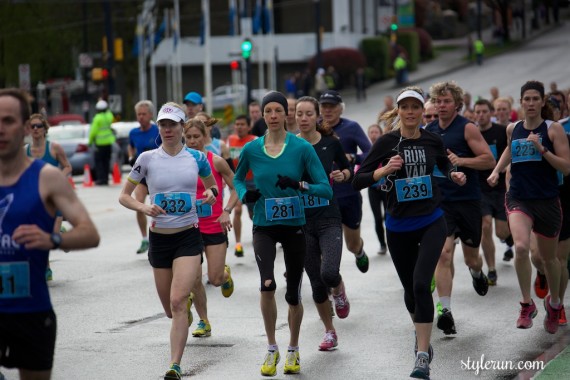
(278, 160)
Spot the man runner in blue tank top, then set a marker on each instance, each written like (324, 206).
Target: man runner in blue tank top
(30, 194)
(469, 152)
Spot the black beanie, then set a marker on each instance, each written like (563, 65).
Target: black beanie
(274, 96)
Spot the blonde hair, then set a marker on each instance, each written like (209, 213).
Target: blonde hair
(210, 121)
(42, 119)
(441, 88)
(195, 123)
(391, 118)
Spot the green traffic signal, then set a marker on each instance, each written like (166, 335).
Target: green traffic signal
(246, 48)
(394, 27)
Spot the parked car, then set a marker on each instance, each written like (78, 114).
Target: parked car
(234, 95)
(122, 130)
(75, 142)
(66, 119)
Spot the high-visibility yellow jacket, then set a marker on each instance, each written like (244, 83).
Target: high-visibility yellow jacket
(100, 132)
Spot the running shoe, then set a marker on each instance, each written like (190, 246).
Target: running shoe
(383, 249)
(203, 330)
(228, 286)
(292, 363)
(432, 285)
(362, 262)
(540, 285)
(508, 255)
(492, 277)
(144, 247)
(269, 367)
(561, 322)
(341, 305)
(49, 274)
(481, 284)
(329, 342)
(173, 372)
(439, 308)
(430, 350)
(421, 368)
(527, 313)
(239, 250)
(446, 323)
(551, 318)
(188, 309)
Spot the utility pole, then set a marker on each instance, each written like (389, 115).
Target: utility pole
(318, 55)
(110, 46)
(85, 49)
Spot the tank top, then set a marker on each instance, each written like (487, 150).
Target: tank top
(22, 271)
(454, 139)
(208, 224)
(534, 177)
(47, 157)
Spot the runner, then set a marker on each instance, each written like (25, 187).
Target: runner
(30, 193)
(467, 150)
(52, 153)
(377, 197)
(236, 141)
(323, 231)
(176, 247)
(278, 160)
(143, 138)
(214, 145)
(537, 149)
(415, 225)
(214, 226)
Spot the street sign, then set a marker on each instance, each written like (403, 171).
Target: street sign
(85, 61)
(24, 76)
(115, 103)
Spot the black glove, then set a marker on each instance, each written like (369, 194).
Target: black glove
(284, 182)
(251, 196)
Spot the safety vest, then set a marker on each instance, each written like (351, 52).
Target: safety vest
(101, 132)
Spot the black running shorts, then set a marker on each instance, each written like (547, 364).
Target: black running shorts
(215, 239)
(27, 340)
(493, 203)
(164, 248)
(463, 220)
(546, 214)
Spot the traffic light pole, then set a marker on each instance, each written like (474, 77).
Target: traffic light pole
(248, 80)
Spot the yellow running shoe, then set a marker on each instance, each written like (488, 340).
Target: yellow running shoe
(228, 286)
(203, 330)
(269, 367)
(188, 309)
(292, 363)
(173, 373)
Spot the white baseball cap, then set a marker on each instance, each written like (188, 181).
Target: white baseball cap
(101, 105)
(170, 112)
(410, 94)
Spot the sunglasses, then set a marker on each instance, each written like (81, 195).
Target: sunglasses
(428, 116)
(37, 126)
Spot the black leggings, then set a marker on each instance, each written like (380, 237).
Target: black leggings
(415, 255)
(292, 238)
(377, 200)
(324, 252)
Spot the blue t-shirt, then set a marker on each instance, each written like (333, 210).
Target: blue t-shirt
(141, 141)
(296, 158)
(23, 287)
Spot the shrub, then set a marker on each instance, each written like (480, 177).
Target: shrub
(344, 60)
(426, 47)
(377, 53)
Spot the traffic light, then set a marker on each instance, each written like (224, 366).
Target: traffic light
(97, 74)
(394, 27)
(105, 74)
(234, 65)
(246, 48)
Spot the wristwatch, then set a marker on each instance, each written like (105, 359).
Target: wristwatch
(304, 186)
(55, 240)
(228, 210)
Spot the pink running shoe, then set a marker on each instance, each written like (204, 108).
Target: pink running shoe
(341, 305)
(329, 341)
(527, 313)
(552, 317)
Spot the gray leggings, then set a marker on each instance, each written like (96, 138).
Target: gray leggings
(322, 259)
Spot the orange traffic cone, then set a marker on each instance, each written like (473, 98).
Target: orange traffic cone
(116, 174)
(87, 180)
(71, 182)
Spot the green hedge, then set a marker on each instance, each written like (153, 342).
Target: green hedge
(410, 41)
(377, 53)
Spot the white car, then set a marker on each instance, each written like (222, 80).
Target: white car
(234, 95)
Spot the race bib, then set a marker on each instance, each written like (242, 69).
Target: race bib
(282, 208)
(413, 189)
(203, 210)
(174, 203)
(523, 151)
(493, 148)
(15, 280)
(312, 201)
